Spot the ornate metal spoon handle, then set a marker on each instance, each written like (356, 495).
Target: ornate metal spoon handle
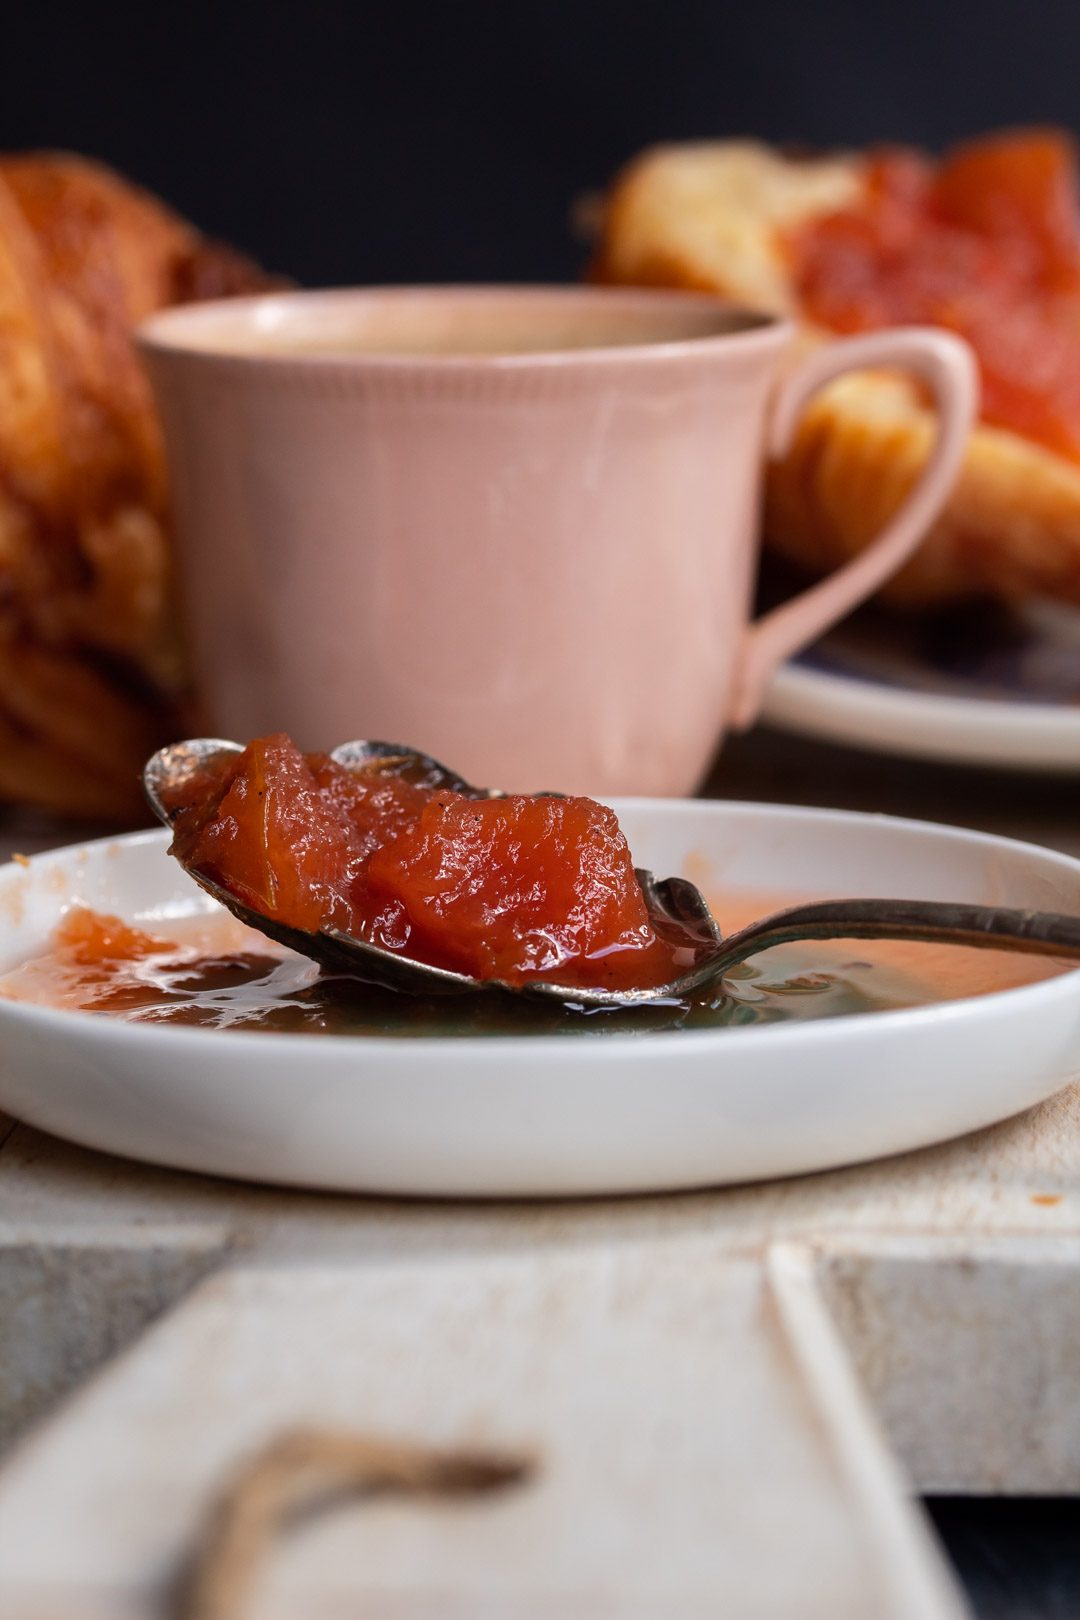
(1042, 933)
(1039, 933)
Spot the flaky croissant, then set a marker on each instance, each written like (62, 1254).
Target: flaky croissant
(90, 670)
(721, 216)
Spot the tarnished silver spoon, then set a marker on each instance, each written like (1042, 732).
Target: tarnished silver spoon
(673, 903)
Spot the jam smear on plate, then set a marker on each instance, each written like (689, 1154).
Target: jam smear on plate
(213, 973)
(514, 888)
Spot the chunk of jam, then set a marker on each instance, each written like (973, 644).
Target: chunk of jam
(985, 243)
(93, 939)
(517, 888)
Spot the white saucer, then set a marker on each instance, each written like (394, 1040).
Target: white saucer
(922, 725)
(1012, 702)
(547, 1115)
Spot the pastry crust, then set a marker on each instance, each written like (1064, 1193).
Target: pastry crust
(90, 670)
(711, 217)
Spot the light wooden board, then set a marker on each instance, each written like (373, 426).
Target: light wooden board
(655, 1385)
(730, 1394)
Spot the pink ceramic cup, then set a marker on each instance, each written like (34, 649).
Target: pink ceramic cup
(514, 527)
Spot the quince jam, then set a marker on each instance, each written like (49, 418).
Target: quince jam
(985, 243)
(514, 888)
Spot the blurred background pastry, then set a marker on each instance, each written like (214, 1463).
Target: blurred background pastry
(985, 242)
(91, 675)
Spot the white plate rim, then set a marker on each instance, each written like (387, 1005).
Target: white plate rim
(923, 725)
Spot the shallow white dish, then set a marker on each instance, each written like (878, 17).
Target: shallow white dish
(1011, 702)
(549, 1115)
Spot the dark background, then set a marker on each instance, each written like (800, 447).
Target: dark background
(358, 142)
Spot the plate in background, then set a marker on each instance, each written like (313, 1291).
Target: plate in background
(980, 687)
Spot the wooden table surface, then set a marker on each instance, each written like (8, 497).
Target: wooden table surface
(728, 1396)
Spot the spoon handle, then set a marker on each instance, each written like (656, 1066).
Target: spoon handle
(1039, 933)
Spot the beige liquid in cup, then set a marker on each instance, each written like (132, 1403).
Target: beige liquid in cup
(447, 343)
(468, 333)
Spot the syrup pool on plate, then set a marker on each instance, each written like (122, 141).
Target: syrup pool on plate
(210, 971)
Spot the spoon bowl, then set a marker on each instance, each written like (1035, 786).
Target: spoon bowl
(171, 771)
(671, 903)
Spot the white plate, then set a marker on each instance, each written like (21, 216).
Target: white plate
(541, 1115)
(1009, 698)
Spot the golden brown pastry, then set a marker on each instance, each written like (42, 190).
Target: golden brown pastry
(90, 671)
(987, 242)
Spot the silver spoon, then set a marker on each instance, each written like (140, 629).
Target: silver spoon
(672, 902)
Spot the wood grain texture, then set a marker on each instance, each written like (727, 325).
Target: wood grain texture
(654, 1384)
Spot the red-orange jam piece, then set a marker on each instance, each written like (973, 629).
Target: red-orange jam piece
(268, 833)
(93, 937)
(985, 243)
(521, 887)
(512, 889)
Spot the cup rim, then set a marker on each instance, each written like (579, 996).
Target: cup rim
(176, 332)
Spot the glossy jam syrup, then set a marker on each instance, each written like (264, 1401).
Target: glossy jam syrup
(986, 243)
(514, 888)
(213, 973)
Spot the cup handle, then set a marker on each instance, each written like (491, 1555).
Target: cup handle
(947, 365)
